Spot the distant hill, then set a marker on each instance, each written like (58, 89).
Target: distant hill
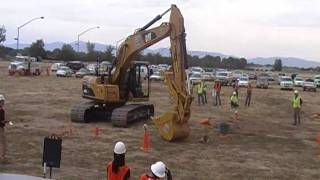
(166, 52)
(58, 44)
(286, 61)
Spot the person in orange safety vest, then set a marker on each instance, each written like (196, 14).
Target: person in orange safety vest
(117, 169)
(158, 171)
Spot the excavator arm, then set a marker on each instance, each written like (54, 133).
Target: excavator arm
(171, 125)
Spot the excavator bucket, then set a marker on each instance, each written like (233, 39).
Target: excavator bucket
(169, 128)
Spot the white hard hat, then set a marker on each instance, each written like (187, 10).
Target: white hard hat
(2, 98)
(159, 169)
(296, 91)
(119, 148)
(234, 93)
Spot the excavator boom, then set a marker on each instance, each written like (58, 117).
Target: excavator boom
(171, 125)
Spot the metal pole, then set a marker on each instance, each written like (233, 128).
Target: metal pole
(78, 43)
(18, 39)
(89, 29)
(50, 172)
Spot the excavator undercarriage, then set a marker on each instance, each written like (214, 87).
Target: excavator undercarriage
(120, 115)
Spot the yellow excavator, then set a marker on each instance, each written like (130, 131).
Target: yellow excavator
(115, 95)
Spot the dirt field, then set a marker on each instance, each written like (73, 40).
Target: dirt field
(267, 146)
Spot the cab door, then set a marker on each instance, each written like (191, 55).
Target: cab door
(139, 83)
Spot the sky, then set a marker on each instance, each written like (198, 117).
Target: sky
(244, 28)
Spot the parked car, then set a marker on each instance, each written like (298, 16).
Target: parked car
(298, 81)
(243, 82)
(286, 83)
(104, 67)
(271, 78)
(207, 76)
(252, 75)
(223, 77)
(92, 68)
(237, 74)
(24, 68)
(55, 66)
(197, 70)
(64, 71)
(195, 78)
(82, 72)
(156, 76)
(317, 80)
(262, 82)
(75, 65)
(281, 75)
(309, 85)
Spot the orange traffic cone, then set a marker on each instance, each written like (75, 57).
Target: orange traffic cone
(206, 123)
(145, 141)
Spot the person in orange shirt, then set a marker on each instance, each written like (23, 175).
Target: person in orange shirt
(117, 169)
(158, 171)
(217, 89)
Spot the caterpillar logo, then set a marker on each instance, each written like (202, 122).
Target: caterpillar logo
(149, 36)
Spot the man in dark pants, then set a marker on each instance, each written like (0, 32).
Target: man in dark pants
(217, 89)
(204, 86)
(3, 145)
(236, 87)
(199, 90)
(249, 93)
(296, 103)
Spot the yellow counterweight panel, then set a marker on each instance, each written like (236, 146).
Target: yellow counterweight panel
(103, 92)
(99, 91)
(112, 93)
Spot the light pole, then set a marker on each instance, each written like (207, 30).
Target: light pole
(24, 25)
(89, 29)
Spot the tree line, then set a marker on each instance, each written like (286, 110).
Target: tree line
(67, 53)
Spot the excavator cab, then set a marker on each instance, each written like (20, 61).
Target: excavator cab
(138, 81)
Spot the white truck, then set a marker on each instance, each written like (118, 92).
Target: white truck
(24, 66)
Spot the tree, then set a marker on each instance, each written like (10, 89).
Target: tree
(90, 48)
(108, 54)
(37, 49)
(55, 54)
(2, 34)
(277, 65)
(91, 53)
(67, 53)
